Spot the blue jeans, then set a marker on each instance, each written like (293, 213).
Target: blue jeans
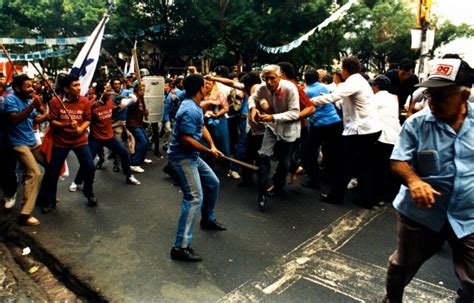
(49, 186)
(141, 145)
(115, 146)
(200, 188)
(242, 139)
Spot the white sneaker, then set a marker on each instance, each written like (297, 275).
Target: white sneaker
(233, 174)
(137, 169)
(73, 187)
(148, 161)
(10, 202)
(132, 180)
(352, 184)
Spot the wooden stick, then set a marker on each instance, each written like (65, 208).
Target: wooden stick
(46, 82)
(137, 69)
(241, 163)
(9, 59)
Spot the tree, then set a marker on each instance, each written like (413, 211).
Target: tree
(227, 32)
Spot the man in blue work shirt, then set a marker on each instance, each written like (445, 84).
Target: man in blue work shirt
(198, 182)
(434, 157)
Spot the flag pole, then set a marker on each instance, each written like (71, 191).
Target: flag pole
(46, 82)
(9, 59)
(137, 69)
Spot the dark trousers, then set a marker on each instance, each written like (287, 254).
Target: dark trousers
(233, 128)
(155, 138)
(385, 183)
(282, 152)
(254, 142)
(297, 153)
(331, 136)
(8, 178)
(95, 145)
(416, 244)
(359, 154)
(49, 185)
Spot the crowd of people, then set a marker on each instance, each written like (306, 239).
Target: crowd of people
(339, 132)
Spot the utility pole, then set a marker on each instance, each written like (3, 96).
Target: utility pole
(422, 21)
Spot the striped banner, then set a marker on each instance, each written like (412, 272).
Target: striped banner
(47, 53)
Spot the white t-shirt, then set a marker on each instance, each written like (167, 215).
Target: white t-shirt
(387, 107)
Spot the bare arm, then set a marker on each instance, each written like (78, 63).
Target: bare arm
(17, 117)
(306, 112)
(196, 145)
(422, 193)
(224, 81)
(40, 119)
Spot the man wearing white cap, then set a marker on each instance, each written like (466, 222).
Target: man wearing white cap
(434, 158)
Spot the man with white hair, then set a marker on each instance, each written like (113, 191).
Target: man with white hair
(280, 108)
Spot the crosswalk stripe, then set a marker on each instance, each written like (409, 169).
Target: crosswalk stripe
(318, 261)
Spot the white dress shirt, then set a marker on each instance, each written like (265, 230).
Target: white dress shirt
(359, 112)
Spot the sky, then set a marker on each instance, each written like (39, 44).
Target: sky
(456, 11)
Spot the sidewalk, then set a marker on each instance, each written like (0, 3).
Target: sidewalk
(15, 285)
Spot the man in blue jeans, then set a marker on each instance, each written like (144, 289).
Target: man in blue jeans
(198, 182)
(136, 112)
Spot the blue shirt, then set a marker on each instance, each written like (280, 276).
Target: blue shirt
(22, 133)
(445, 160)
(171, 105)
(189, 121)
(325, 114)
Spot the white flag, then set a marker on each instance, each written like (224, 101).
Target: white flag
(86, 61)
(125, 70)
(131, 67)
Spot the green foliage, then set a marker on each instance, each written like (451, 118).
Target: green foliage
(229, 32)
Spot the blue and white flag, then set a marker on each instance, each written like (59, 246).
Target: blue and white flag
(86, 62)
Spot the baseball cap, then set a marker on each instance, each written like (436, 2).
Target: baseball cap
(448, 72)
(382, 81)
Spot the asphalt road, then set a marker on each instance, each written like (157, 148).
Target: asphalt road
(299, 250)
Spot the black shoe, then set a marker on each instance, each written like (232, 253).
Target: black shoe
(310, 184)
(116, 169)
(328, 198)
(91, 201)
(99, 164)
(185, 254)
(262, 202)
(212, 225)
(273, 190)
(48, 208)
